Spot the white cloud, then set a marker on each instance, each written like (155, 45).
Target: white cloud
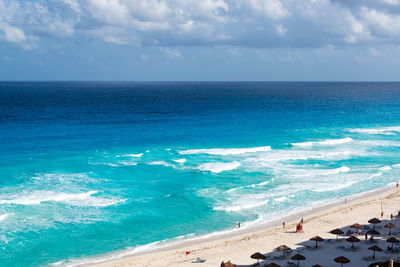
(391, 2)
(281, 30)
(171, 52)
(384, 24)
(169, 23)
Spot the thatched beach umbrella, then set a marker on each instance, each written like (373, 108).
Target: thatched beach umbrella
(373, 232)
(390, 226)
(272, 265)
(375, 249)
(317, 239)
(258, 256)
(228, 264)
(374, 221)
(352, 239)
(283, 248)
(316, 265)
(337, 232)
(393, 240)
(356, 226)
(298, 258)
(342, 260)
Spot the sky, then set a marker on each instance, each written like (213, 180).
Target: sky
(200, 40)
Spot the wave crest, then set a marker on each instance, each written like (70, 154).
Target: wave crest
(225, 151)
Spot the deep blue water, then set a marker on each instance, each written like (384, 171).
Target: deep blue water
(89, 168)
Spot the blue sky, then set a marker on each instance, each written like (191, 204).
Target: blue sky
(261, 40)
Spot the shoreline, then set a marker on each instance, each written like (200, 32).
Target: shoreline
(132, 256)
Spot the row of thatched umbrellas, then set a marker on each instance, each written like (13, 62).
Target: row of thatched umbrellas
(298, 257)
(352, 239)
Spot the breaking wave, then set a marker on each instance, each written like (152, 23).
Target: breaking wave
(326, 142)
(225, 151)
(218, 166)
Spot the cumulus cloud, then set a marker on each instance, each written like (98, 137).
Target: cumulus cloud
(168, 23)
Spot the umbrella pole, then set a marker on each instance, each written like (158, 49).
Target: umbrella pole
(316, 243)
(390, 231)
(373, 257)
(337, 237)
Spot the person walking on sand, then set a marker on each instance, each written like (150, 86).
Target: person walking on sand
(283, 225)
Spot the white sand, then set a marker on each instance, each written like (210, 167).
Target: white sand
(319, 221)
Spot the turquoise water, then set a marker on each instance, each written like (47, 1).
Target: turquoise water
(91, 168)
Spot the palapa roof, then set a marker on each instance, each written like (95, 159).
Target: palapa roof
(373, 232)
(272, 265)
(352, 239)
(336, 231)
(375, 248)
(374, 220)
(282, 248)
(393, 240)
(357, 226)
(257, 256)
(298, 257)
(342, 259)
(317, 238)
(390, 225)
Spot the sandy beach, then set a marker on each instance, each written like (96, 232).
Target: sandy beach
(318, 221)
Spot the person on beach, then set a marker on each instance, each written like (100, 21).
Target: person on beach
(283, 225)
(391, 216)
(301, 221)
(238, 224)
(366, 236)
(397, 184)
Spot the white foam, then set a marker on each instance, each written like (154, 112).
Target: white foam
(225, 151)
(385, 168)
(181, 161)
(306, 172)
(377, 143)
(280, 199)
(133, 155)
(218, 167)
(379, 130)
(76, 199)
(128, 163)
(4, 216)
(245, 205)
(160, 163)
(325, 142)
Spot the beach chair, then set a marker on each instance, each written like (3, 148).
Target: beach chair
(198, 260)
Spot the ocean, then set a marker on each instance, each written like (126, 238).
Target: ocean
(95, 170)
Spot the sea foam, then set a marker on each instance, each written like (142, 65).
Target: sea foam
(325, 142)
(225, 151)
(4, 216)
(218, 167)
(76, 199)
(379, 130)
